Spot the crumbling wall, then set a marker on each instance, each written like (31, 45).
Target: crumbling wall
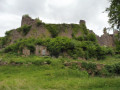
(26, 20)
(15, 35)
(36, 31)
(26, 52)
(40, 31)
(41, 51)
(66, 34)
(106, 40)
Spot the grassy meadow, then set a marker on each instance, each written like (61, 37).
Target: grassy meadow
(52, 76)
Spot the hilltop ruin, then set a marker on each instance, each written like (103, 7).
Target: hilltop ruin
(35, 28)
(66, 30)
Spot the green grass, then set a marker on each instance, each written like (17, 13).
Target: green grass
(54, 76)
(43, 77)
(109, 60)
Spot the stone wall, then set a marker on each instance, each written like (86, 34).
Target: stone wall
(41, 32)
(36, 31)
(26, 52)
(106, 40)
(82, 22)
(41, 51)
(26, 20)
(15, 35)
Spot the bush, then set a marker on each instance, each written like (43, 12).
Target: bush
(110, 68)
(101, 52)
(117, 68)
(26, 15)
(74, 66)
(24, 29)
(38, 62)
(8, 33)
(104, 72)
(20, 44)
(54, 29)
(89, 66)
(92, 37)
(75, 28)
(80, 38)
(48, 61)
(84, 29)
(58, 45)
(89, 37)
(113, 69)
(38, 21)
(3, 41)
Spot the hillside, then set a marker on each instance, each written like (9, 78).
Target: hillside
(58, 57)
(66, 40)
(35, 28)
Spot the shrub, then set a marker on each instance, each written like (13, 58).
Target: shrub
(92, 37)
(38, 62)
(109, 51)
(11, 48)
(74, 66)
(48, 61)
(84, 65)
(38, 21)
(76, 52)
(117, 68)
(89, 66)
(75, 28)
(24, 29)
(54, 29)
(3, 41)
(101, 52)
(104, 72)
(20, 44)
(110, 68)
(84, 29)
(58, 45)
(113, 69)
(26, 15)
(8, 33)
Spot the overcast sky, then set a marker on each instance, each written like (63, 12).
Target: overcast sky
(54, 11)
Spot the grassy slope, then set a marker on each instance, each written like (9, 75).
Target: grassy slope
(55, 76)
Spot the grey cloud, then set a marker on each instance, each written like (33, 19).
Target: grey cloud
(57, 11)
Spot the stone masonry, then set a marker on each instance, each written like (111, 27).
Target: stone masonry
(26, 52)
(41, 51)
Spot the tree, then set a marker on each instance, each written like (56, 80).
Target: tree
(114, 13)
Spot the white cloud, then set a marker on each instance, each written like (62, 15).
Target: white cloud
(54, 11)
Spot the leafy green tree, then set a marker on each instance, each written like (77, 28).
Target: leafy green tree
(114, 13)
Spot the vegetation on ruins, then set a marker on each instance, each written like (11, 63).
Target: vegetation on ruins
(38, 21)
(78, 57)
(24, 29)
(76, 61)
(59, 45)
